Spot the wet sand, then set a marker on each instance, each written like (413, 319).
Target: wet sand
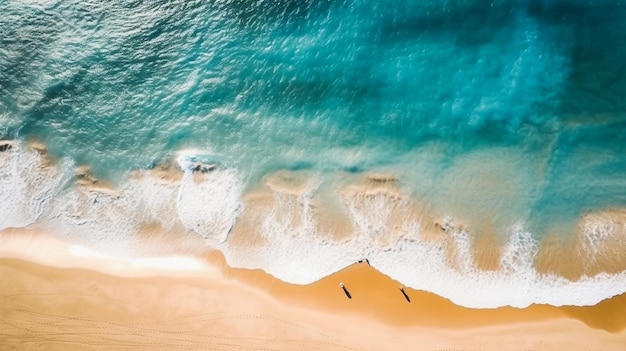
(56, 297)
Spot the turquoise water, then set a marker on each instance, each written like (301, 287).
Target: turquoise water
(506, 111)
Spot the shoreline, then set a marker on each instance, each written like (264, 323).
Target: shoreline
(377, 314)
(300, 231)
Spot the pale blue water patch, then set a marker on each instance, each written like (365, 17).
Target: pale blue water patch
(442, 93)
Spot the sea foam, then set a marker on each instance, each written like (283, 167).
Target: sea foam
(208, 201)
(28, 184)
(205, 201)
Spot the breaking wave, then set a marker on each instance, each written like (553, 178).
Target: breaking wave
(297, 227)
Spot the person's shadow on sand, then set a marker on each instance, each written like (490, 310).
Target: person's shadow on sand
(345, 290)
(408, 299)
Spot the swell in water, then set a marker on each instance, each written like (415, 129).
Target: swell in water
(301, 226)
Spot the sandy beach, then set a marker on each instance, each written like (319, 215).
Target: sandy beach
(313, 175)
(56, 296)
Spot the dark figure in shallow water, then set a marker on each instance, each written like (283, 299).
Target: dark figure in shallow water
(405, 295)
(345, 290)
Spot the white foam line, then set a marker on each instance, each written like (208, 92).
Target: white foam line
(295, 252)
(43, 249)
(168, 263)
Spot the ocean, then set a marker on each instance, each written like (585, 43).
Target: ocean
(474, 149)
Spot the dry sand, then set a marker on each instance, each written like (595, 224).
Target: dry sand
(54, 296)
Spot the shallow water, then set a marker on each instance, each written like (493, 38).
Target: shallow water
(506, 116)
